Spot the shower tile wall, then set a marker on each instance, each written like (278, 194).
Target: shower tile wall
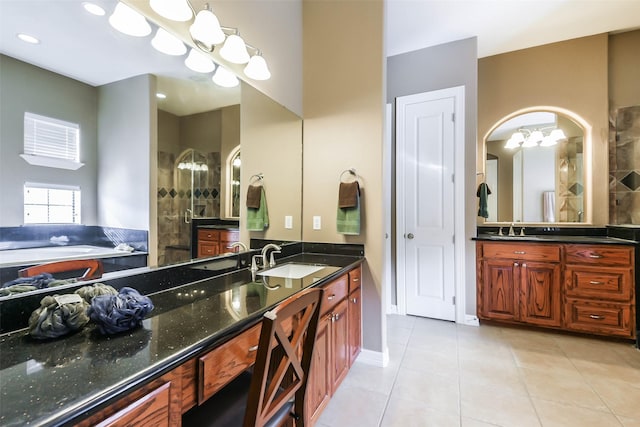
(173, 232)
(570, 195)
(624, 166)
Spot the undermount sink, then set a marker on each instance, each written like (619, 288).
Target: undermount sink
(291, 270)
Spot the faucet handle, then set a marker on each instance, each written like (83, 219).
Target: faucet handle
(272, 260)
(254, 264)
(522, 231)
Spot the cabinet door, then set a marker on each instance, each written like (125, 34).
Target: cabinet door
(355, 325)
(540, 299)
(207, 249)
(319, 381)
(499, 290)
(150, 410)
(340, 343)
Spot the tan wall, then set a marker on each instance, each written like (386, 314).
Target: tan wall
(571, 75)
(624, 69)
(271, 145)
(343, 104)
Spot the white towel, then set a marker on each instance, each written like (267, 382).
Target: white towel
(549, 206)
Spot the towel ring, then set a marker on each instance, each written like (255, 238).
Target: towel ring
(352, 172)
(256, 178)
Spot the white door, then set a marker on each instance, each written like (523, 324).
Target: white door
(426, 142)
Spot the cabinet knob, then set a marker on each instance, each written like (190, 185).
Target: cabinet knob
(254, 348)
(515, 264)
(596, 316)
(355, 279)
(330, 297)
(354, 300)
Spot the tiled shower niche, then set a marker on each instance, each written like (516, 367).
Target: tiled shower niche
(624, 166)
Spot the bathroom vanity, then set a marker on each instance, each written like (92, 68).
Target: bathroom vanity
(201, 334)
(575, 283)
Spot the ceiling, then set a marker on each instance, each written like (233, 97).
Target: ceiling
(502, 25)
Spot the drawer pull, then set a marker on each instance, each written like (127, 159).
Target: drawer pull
(355, 279)
(254, 348)
(595, 282)
(596, 256)
(354, 300)
(330, 297)
(519, 252)
(596, 316)
(336, 317)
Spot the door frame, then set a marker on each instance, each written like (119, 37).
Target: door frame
(458, 93)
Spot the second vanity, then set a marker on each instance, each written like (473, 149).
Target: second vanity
(568, 282)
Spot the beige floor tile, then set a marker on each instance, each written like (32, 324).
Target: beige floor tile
(502, 384)
(372, 378)
(470, 422)
(436, 391)
(438, 362)
(409, 413)
(554, 414)
(551, 362)
(629, 422)
(400, 321)
(502, 409)
(573, 390)
(426, 340)
(619, 371)
(354, 406)
(621, 397)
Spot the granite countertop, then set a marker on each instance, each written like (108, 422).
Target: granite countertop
(59, 381)
(606, 240)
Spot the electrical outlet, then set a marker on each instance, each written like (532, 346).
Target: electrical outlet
(317, 223)
(288, 222)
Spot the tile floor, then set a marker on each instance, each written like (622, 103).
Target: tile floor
(443, 374)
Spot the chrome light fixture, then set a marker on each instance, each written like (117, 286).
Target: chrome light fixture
(257, 68)
(199, 62)
(205, 30)
(225, 78)
(166, 42)
(235, 50)
(534, 138)
(175, 10)
(128, 21)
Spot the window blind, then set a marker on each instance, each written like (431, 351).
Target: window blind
(49, 137)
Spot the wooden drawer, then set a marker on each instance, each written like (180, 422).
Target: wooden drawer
(522, 251)
(209, 235)
(207, 249)
(606, 256)
(222, 364)
(229, 235)
(152, 409)
(355, 276)
(599, 318)
(600, 283)
(334, 292)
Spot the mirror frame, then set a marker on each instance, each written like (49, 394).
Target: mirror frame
(587, 167)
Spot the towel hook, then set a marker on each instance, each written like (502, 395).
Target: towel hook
(255, 178)
(351, 172)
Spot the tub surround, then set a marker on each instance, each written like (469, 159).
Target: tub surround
(196, 308)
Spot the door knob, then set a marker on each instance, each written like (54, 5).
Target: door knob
(410, 236)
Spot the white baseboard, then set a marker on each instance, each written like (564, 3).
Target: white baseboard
(392, 309)
(471, 320)
(375, 358)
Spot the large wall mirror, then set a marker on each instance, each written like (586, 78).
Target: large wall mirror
(198, 129)
(535, 169)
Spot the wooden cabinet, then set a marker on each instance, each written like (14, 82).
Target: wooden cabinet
(212, 242)
(355, 314)
(579, 287)
(521, 283)
(151, 410)
(599, 290)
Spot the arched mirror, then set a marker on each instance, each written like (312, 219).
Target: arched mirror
(534, 169)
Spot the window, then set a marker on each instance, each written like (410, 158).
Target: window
(47, 204)
(51, 142)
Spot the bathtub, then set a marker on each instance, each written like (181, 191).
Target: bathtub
(32, 256)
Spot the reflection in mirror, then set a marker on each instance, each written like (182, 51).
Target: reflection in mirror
(534, 169)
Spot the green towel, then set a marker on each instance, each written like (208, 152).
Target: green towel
(258, 219)
(349, 219)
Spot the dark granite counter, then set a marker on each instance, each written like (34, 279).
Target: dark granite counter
(59, 382)
(598, 240)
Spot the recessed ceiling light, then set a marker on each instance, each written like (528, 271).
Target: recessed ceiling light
(160, 95)
(28, 39)
(93, 8)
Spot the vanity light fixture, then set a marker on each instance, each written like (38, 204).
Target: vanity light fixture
(166, 42)
(175, 10)
(235, 50)
(199, 62)
(27, 38)
(225, 78)
(161, 95)
(257, 68)
(128, 21)
(93, 8)
(205, 30)
(534, 138)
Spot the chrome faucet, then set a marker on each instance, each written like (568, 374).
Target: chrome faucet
(265, 250)
(254, 264)
(240, 245)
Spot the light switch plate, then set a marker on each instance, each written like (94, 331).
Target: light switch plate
(288, 222)
(317, 223)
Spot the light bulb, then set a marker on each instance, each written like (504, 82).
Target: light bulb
(166, 42)
(234, 50)
(257, 68)
(225, 78)
(176, 10)
(512, 143)
(128, 21)
(199, 62)
(557, 134)
(206, 29)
